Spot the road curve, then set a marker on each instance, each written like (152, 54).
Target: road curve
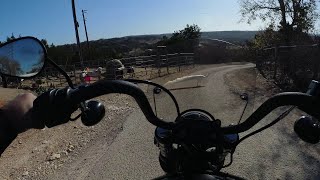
(269, 155)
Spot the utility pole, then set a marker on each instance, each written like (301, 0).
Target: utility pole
(76, 25)
(85, 27)
(4, 81)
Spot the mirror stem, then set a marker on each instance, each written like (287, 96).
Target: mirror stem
(155, 105)
(62, 72)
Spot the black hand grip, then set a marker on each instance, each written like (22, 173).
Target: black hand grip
(53, 108)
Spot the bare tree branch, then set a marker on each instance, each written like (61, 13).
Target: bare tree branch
(298, 14)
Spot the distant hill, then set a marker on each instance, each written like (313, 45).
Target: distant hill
(236, 37)
(138, 44)
(230, 36)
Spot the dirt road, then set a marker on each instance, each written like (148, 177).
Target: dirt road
(277, 153)
(273, 154)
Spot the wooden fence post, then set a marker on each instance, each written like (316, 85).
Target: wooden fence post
(159, 65)
(46, 76)
(74, 73)
(185, 61)
(145, 67)
(276, 54)
(144, 64)
(167, 61)
(60, 80)
(193, 61)
(316, 64)
(179, 59)
(4, 81)
(152, 65)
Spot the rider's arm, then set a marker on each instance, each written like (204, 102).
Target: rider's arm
(7, 133)
(13, 119)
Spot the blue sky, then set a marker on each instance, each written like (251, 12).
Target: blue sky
(52, 19)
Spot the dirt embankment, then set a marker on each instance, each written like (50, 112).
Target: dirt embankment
(250, 81)
(37, 153)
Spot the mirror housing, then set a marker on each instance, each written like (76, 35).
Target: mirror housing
(23, 57)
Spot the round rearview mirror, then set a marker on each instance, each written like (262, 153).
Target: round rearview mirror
(23, 57)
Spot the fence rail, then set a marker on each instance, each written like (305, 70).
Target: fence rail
(142, 67)
(292, 67)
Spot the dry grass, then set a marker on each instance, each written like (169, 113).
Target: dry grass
(251, 81)
(140, 73)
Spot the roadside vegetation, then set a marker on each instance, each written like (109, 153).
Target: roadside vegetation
(288, 50)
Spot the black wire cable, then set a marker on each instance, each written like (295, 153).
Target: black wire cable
(77, 117)
(244, 109)
(231, 161)
(283, 115)
(244, 96)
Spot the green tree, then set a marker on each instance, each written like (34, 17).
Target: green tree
(189, 32)
(267, 38)
(10, 66)
(45, 43)
(293, 17)
(184, 40)
(52, 45)
(11, 38)
(164, 38)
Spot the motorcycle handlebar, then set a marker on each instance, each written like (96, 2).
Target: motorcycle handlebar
(305, 102)
(122, 87)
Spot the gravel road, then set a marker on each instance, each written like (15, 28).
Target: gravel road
(276, 153)
(133, 156)
(273, 154)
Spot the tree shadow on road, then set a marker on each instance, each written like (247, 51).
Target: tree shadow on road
(293, 157)
(277, 153)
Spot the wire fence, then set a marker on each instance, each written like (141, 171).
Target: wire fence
(142, 67)
(292, 67)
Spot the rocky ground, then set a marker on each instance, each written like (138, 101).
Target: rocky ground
(37, 154)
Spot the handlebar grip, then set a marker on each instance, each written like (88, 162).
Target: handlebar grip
(53, 108)
(307, 103)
